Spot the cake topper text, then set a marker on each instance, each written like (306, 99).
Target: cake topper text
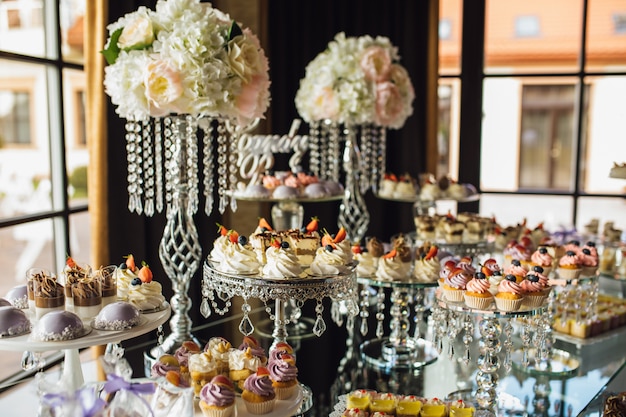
(256, 152)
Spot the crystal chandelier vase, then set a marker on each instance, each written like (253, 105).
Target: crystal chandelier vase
(163, 175)
(360, 149)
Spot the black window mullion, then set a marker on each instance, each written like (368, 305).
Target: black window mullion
(471, 101)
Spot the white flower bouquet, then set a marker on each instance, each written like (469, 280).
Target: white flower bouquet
(356, 81)
(185, 57)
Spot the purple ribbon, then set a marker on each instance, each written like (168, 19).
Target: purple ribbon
(90, 404)
(117, 383)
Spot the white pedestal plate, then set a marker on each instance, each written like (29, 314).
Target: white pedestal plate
(72, 375)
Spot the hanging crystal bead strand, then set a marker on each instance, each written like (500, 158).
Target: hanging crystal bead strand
(192, 163)
(325, 130)
(222, 172)
(315, 157)
(148, 167)
(232, 165)
(207, 164)
(131, 160)
(508, 345)
(365, 145)
(419, 308)
(158, 165)
(380, 312)
(364, 313)
(468, 337)
(488, 362)
(171, 168)
(380, 163)
(319, 327)
(334, 149)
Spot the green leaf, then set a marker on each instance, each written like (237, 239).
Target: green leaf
(112, 51)
(234, 31)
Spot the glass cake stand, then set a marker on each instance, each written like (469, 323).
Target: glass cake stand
(452, 318)
(400, 350)
(219, 288)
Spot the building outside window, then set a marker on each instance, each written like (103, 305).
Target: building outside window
(43, 153)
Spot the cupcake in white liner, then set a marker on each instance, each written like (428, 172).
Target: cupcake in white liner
(510, 295)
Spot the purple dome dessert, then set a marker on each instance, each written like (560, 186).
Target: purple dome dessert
(284, 192)
(117, 316)
(333, 187)
(316, 190)
(57, 326)
(256, 191)
(18, 296)
(13, 321)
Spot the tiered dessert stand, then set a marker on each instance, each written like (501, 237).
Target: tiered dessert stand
(72, 375)
(219, 288)
(400, 350)
(451, 319)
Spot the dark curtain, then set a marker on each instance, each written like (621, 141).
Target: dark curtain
(297, 31)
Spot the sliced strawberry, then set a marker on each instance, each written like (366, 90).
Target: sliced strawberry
(526, 242)
(264, 224)
(327, 239)
(222, 380)
(70, 262)
(145, 274)
(391, 254)
(341, 235)
(391, 176)
(432, 252)
(173, 377)
(485, 270)
(233, 236)
(275, 242)
(191, 346)
(356, 249)
(223, 231)
(313, 225)
(450, 264)
(262, 371)
(130, 262)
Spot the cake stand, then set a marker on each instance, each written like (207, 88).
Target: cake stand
(453, 318)
(399, 350)
(72, 375)
(219, 288)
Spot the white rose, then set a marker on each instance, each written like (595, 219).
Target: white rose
(163, 87)
(136, 33)
(244, 58)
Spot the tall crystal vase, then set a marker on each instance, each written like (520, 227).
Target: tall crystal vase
(180, 251)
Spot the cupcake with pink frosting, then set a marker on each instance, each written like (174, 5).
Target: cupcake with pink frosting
(510, 294)
(535, 290)
(589, 262)
(517, 269)
(477, 293)
(454, 285)
(569, 265)
(541, 257)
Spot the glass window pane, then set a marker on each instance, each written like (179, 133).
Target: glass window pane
(528, 127)
(72, 29)
(606, 36)
(22, 27)
(448, 127)
(80, 237)
(450, 31)
(555, 212)
(77, 154)
(532, 36)
(605, 143)
(604, 210)
(24, 145)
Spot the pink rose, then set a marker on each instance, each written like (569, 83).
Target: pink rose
(400, 77)
(389, 104)
(253, 99)
(376, 63)
(163, 87)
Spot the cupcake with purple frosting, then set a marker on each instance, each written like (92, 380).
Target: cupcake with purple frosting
(217, 397)
(258, 394)
(284, 376)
